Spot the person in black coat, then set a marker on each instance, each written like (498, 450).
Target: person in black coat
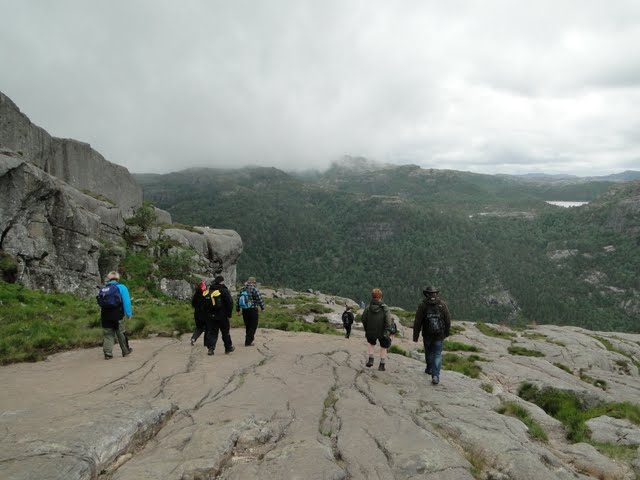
(221, 309)
(200, 312)
(433, 320)
(347, 320)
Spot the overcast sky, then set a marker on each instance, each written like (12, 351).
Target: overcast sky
(484, 86)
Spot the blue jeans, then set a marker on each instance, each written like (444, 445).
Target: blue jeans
(433, 355)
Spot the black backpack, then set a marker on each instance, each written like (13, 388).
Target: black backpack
(433, 321)
(215, 297)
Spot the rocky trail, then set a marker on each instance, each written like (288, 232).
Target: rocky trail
(295, 406)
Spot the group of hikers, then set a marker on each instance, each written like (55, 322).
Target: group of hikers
(213, 307)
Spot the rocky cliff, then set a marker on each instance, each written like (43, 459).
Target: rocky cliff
(304, 406)
(74, 162)
(65, 216)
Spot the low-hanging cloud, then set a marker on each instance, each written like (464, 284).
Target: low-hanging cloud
(490, 87)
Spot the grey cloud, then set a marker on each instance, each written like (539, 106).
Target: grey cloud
(160, 86)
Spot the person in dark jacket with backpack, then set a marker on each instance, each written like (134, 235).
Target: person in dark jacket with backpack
(434, 321)
(221, 309)
(249, 300)
(115, 305)
(347, 320)
(200, 312)
(376, 320)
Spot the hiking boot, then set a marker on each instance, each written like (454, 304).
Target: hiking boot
(370, 362)
(381, 367)
(128, 353)
(193, 342)
(249, 344)
(108, 357)
(230, 349)
(211, 351)
(427, 371)
(435, 380)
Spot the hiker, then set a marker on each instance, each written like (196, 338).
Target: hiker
(347, 320)
(200, 312)
(249, 299)
(220, 310)
(115, 305)
(376, 320)
(434, 321)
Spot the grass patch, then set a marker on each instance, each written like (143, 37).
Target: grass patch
(516, 350)
(487, 387)
(562, 366)
(465, 365)
(459, 346)
(593, 381)
(308, 308)
(34, 324)
(398, 350)
(567, 407)
(534, 335)
(518, 411)
(492, 332)
(456, 329)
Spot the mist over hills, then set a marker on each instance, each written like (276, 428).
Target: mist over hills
(492, 244)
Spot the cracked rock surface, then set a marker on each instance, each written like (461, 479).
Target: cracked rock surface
(298, 406)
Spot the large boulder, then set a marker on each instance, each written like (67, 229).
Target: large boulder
(75, 162)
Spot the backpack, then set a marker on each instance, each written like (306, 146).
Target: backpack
(434, 322)
(216, 299)
(109, 297)
(393, 328)
(244, 300)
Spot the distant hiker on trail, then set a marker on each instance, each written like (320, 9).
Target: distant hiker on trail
(200, 312)
(115, 305)
(434, 321)
(220, 310)
(249, 299)
(347, 320)
(376, 321)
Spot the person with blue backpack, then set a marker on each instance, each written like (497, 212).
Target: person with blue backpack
(115, 305)
(249, 300)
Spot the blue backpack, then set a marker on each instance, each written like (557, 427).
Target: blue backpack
(244, 301)
(109, 297)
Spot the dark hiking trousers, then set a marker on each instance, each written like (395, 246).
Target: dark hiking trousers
(250, 317)
(200, 327)
(215, 326)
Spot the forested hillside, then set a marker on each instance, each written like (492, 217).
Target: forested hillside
(498, 252)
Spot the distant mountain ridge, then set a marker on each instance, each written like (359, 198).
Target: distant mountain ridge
(498, 251)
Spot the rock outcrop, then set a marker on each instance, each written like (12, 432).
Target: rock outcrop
(62, 216)
(304, 406)
(74, 162)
